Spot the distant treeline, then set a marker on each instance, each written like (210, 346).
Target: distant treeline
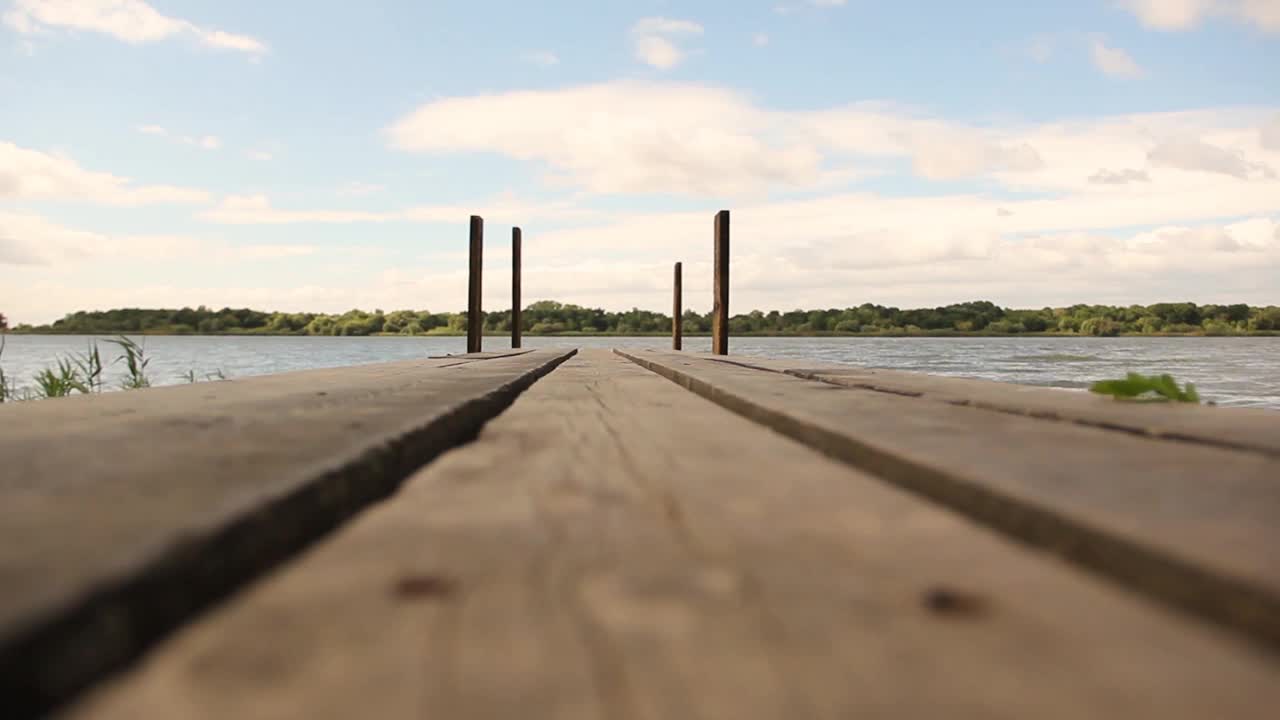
(550, 318)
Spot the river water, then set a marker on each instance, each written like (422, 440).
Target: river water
(1229, 371)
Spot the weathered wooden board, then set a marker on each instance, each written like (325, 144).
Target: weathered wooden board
(1241, 428)
(615, 547)
(122, 514)
(1191, 524)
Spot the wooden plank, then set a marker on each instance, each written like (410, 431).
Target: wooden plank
(1189, 524)
(123, 514)
(657, 557)
(677, 309)
(1242, 428)
(516, 308)
(720, 308)
(475, 287)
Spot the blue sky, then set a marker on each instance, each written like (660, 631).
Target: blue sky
(324, 155)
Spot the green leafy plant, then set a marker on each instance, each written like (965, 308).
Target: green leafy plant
(60, 382)
(89, 364)
(190, 376)
(135, 361)
(1135, 386)
(8, 391)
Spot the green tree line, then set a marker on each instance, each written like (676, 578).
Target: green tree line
(550, 318)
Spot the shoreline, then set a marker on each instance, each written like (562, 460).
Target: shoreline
(825, 334)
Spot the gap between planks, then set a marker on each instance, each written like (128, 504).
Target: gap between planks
(1245, 429)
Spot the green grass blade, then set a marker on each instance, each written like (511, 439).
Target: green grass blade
(1136, 386)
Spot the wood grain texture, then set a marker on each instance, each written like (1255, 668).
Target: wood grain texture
(657, 557)
(1186, 523)
(122, 514)
(1241, 428)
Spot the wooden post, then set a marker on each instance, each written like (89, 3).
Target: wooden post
(475, 318)
(515, 287)
(720, 307)
(677, 328)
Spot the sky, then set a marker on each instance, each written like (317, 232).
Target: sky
(323, 155)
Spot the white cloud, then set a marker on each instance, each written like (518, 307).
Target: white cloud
(1114, 62)
(1200, 156)
(1169, 14)
(1054, 246)
(1269, 134)
(938, 150)
(27, 239)
(132, 21)
(760, 39)
(620, 137)
(828, 3)
(545, 58)
(1040, 228)
(32, 240)
(31, 174)
(924, 251)
(905, 229)
(208, 142)
(1074, 152)
(1121, 177)
(927, 251)
(1263, 13)
(259, 155)
(658, 52)
(1186, 14)
(665, 26)
(654, 44)
(503, 209)
(703, 141)
(258, 210)
(229, 41)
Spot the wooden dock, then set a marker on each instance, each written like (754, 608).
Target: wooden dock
(648, 534)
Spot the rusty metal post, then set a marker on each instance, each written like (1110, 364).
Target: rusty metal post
(720, 307)
(677, 300)
(475, 317)
(515, 287)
